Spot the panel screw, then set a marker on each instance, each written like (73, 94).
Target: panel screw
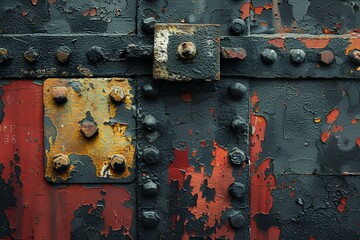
(61, 162)
(297, 56)
(148, 24)
(237, 156)
(150, 123)
(150, 91)
(355, 56)
(268, 56)
(4, 55)
(118, 163)
(96, 54)
(326, 57)
(237, 220)
(186, 51)
(63, 54)
(150, 155)
(237, 190)
(59, 94)
(238, 90)
(237, 26)
(88, 128)
(150, 188)
(239, 126)
(117, 94)
(150, 219)
(31, 55)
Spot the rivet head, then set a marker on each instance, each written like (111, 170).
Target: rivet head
(88, 128)
(237, 190)
(118, 163)
(237, 90)
(186, 51)
(31, 55)
(297, 56)
(59, 94)
(4, 55)
(63, 54)
(237, 156)
(326, 57)
(150, 91)
(237, 26)
(150, 219)
(61, 163)
(117, 94)
(150, 188)
(96, 54)
(148, 24)
(150, 123)
(354, 56)
(268, 56)
(239, 126)
(237, 220)
(150, 155)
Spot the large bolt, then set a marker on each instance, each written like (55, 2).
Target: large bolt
(237, 26)
(239, 126)
(150, 188)
(297, 56)
(31, 55)
(150, 155)
(117, 94)
(326, 57)
(237, 190)
(238, 90)
(150, 219)
(150, 91)
(237, 156)
(118, 163)
(59, 94)
(237, 220)
(268, 56)
(88, 128)
(4, 55)
(148, 24)
(96, 54)
(354, 55)
(150, 123)
(186, 51)
(62, 54)
(61, 163)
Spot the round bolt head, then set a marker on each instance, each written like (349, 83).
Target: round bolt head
(237, 26)
(186, 51)
(268, 56)
(150, 219)
(237, 190)
(118, 163)
(117, 94)
(326, 57)
(238, 90)
(297, 56)
(150, 123)
(4, 55)
(150, 188)
(150, 155)
(237, 156)
(148, 24)
(239, 126)
(88, 128)
(150, 91)
(31, 55)
(61, 163)
(354, 55)
(237, 220)
(96, 54)
(62, 54)
(59, 94)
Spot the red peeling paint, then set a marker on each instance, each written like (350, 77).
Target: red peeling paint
(326, 134)
(292, 194)
(312, 238)
(258, 10)
(186, 97)
(278, 42)
(354, 121)
(315, 42)
(34, 2)
(332, 116)
(178, 166)
(212, 111)
(358, 141)
(342, 204)
(354, 43)
(245, 10)
(203, 143)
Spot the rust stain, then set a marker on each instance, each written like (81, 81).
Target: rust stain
(315, 42)
(245, 10)
(51, 1)
(277, 18)
(354, 43)
(34, 2)
(332, 116)
(186, 97)
(278, 42)
(341, 206)
(354, 121)
(358, 141)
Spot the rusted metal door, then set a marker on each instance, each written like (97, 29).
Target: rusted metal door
(191, 119)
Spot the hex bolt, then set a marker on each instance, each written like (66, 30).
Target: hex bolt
(148, 24)
(96, 54)
(63, 54)
(150, 123)
(59, 94)
(88, 128)
(31, 55)
(354, 55)
(239, 126)
(61, 163)
(237, 190)
(237, 220)
(326, 57)
(237, 26)
(118, 163)
(150, 188)
(150, 155)
(297, 56)
(149, 219)
(150, 91)
(4, 55)
(117, 94)
(237, 156)
(186, 51)
(268, 56)
(237, 90)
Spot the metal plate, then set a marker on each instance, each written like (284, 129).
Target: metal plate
(88, 100)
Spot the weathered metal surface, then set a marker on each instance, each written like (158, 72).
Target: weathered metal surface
(185, 52)
(94, 129)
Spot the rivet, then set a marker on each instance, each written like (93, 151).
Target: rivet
(88, 128)
(59, 94)
(63, 54)
(117, 94)
(239, 126)
(150, 155)
(237, 26)
(96, 54)
(186, 51)
(61, 163)
(355, 56)
(237, 190)
(150, 123)
(326, 57)
(237, 220)
(297, 56)
(148, 24)
(150, 219)
(150, 188)
(150, 91)
(4, 55)
(237, 156)
(118, 163)
(238, 90)
(268, 56)
(31, 55)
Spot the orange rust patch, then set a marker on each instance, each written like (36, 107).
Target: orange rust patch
(326, 134)
(332, 116)
(315, 42)
(245, 10)
(358, 141)
(24, 13)
(278, 42)
(34, 2)
(258, 10)
(51, 1)
(354, 43)
(342, 204)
